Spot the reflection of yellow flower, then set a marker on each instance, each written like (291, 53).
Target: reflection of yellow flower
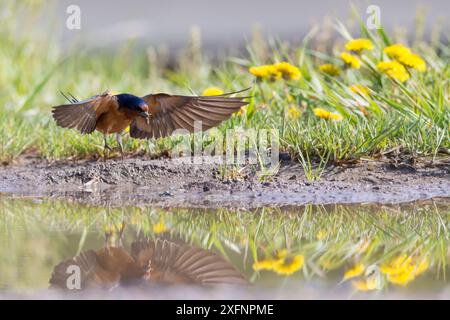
(281, 263)
(359, 45)
(268, 72)
(136, 219)
(413, 61)
(366, 285)
(356, 271)
(109, 229)
(281, 254)
(394, 70)
(266, 264)
(325, 114)
(403, 269)
(288, 71)
(396, 50)
(212, 91)
(330, 69)
(351, 60)
(290, 265)
(160, 227)
(294, 112)
(360, 89)
(321, 233)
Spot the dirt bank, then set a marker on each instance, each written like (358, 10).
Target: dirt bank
(165, 182)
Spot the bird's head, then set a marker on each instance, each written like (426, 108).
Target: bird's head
(133, 105)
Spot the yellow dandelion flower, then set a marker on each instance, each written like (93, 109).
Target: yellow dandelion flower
(396, 50)
(359, 45)
(394, 70)
(127, 129)
(266, 264)
(330, 69)
(160, 227)
(335, 116)
(212, 91)
(242, 111)
(268, 72)
(356, 271)
(413, 61)
(294, 112)
(351, 60)
(325, 114)
(366, 285)
(288, 71)
(290, 265)
(360, 89)
(404, 55)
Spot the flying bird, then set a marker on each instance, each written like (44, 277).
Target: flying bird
(149, 262)
(151, 116)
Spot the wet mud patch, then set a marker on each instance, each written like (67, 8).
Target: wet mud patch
(168, 183)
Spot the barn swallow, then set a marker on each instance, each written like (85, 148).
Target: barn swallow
(152, 116)
(150, 262)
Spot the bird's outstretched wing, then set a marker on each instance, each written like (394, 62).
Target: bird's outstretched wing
(171, 112)
(87, 270)
(173, 263)
(83, 115)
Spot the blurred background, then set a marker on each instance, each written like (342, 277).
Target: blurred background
(226, 24)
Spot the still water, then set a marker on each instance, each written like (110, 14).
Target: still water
(333, 251)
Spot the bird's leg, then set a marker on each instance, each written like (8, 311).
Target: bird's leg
(122, 228)
(105, 147)
(119, 142)
(108, 235)
(106, 143)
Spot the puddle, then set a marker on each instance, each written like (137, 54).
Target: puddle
(312, 251)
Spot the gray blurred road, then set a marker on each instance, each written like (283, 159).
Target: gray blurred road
(225, 22)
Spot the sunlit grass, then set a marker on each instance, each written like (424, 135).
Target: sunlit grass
(413, 115)
(312, 242)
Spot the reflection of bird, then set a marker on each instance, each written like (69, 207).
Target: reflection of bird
(152, 116)
(159, 261)
(172, 263)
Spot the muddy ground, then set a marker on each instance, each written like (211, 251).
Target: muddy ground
(168, 183)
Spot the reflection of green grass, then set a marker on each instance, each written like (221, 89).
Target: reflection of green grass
(414, 115)
(330, 238)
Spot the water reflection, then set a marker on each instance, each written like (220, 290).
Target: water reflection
(335, 248)
(149, 262)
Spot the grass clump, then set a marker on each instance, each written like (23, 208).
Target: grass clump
(356, 99)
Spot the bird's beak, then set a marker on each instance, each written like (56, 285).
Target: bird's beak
(145, 116)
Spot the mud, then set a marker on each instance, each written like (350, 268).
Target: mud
(169, 183)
